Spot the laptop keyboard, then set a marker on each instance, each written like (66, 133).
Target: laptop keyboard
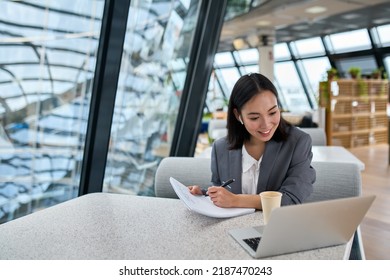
(253, 242)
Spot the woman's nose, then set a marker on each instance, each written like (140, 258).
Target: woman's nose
(264, 122)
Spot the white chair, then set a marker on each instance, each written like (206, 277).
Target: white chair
(317, 134)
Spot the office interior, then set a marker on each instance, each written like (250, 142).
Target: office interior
(94, 94)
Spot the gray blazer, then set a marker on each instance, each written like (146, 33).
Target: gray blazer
(285, 167)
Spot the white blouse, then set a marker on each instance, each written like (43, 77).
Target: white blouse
(250, 172)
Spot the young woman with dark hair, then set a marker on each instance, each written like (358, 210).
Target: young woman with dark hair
(261, 151)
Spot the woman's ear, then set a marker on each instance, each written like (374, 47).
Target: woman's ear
(238, 117)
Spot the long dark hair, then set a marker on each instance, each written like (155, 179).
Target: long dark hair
(245, 88)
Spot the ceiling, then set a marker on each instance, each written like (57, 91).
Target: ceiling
(288, 20)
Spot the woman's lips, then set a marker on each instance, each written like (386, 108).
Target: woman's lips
(265, 132)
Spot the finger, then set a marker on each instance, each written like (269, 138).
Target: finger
(192, 189)
(196, 190)
(212, 190)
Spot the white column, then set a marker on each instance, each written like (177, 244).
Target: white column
(266, 61)
(266, 55)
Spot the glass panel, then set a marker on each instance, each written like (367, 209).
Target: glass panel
(290, 87)
(236, 8)
(248, 56)
(47, 58)
(223, 59)
(350, 41)
(228, 77)
(158, 40)
(315, 71)
(249, 69)
(387, 65)
(216, 99)
(384, 35)
(281, 52)
(366, 63)
(309, 47)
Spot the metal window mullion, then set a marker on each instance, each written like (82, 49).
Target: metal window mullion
(104, 89)
(206, 38)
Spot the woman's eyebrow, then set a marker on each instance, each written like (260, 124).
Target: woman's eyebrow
(273, 107)
(255, 113)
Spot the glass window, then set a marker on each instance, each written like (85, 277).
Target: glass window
(350, 41)
(248, 56)
(223, 59)
(178, 64)
(216, 99)
(152, 76)
(366, 63)
(387, 65)
(227, 77)
(281, 52)
(309, 47)
(314, 70)
(384, 35)
(249, 69)
(47, 70)
(178, 79)
(236, 8)
(290, 87)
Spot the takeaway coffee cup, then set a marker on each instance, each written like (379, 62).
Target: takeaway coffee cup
(269, 201)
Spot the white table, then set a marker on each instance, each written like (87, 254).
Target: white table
(335, 154)
(117, 227)
(320, 154)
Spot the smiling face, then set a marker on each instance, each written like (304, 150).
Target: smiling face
(261, 116)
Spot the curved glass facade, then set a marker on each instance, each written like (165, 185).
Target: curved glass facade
(47, 62)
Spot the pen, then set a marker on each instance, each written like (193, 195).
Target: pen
(226, 184)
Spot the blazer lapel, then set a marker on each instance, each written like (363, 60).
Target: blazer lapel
(235, 169)
(270, 156)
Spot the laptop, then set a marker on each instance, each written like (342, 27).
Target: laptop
(305, 227)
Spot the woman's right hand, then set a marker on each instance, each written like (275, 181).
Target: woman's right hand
(195, 190)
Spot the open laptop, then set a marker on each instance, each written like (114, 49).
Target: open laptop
(305, 227)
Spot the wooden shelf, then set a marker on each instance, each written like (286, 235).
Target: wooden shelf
(355, 111)
(360, 98)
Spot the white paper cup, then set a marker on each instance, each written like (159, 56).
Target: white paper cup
(269, 201)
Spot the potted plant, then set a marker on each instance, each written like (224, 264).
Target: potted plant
(377, 73)
(332, 73)
(355, 72)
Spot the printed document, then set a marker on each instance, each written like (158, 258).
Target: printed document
(203, 204)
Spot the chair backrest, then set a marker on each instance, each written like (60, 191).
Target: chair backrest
(187, 170)
(338, 180)
(317, 134)
(334, 179)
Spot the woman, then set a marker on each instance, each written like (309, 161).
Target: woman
(261, 150)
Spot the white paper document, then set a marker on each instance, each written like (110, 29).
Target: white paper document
(203, 204)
